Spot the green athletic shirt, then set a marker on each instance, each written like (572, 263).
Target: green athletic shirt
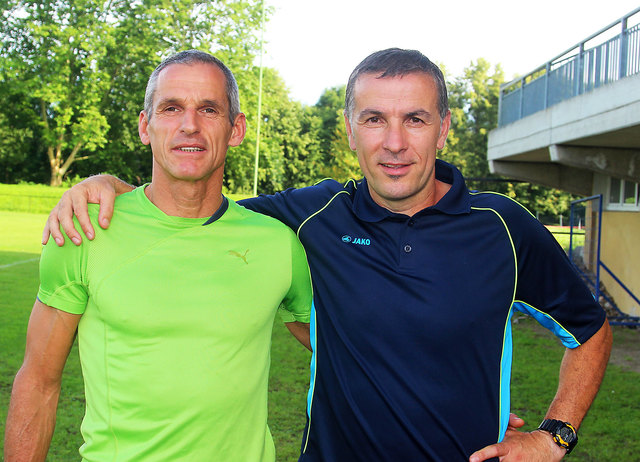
(175, 332)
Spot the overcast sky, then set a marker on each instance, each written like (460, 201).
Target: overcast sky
(316, 44)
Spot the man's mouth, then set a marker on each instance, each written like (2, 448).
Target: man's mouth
(190, 149)
(394, 166)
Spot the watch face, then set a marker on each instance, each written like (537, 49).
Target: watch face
(566, 434)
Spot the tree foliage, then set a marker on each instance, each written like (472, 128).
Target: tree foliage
(83, 65)
(473, 98)
(73, 75)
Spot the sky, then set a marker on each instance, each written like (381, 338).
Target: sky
(316, 45)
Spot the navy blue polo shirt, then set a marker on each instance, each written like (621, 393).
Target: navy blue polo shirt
(411, 329)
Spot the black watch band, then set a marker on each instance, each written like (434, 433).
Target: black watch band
(563, 433)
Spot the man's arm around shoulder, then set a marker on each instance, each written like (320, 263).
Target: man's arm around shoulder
(36, 388)
(99, 189)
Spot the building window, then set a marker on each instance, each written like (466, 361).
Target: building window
(623, 195)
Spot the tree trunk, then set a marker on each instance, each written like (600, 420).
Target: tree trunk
(56, 176)
(58, 169)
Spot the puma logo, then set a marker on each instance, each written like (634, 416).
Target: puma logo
(239, 255)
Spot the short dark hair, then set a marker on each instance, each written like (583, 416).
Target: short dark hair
(394, 62)
(193, 57)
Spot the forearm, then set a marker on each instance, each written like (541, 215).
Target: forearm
(581, 373)
(31, 419)
(301, 332)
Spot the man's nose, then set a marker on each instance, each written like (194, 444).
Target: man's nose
(189, 122)
(395, 138)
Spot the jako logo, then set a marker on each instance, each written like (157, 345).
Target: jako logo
(356, 240)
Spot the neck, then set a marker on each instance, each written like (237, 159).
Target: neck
(412, 205)
(186, 199)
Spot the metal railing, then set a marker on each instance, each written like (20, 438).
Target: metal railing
(576, 71)
(588, 261)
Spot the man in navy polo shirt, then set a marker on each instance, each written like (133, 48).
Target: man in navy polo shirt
(415, 282)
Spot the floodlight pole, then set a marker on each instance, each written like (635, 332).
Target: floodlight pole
(255, 169)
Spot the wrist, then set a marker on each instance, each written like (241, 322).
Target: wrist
(556, 451)
(563, 434)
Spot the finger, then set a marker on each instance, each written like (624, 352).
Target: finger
(489, 452)
(107, 198)
(515, 421)
(52, 227)
(81, 210)
(65, 218)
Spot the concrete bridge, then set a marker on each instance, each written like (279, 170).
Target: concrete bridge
(576, 116)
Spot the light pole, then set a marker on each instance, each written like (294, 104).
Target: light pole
(255, 168)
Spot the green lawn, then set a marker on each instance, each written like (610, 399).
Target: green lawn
(561, 233)
(609, 433)
(29, 197)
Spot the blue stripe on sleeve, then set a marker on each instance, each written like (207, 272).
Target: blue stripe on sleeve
(567, 339)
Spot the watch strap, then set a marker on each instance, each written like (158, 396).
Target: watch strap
(564, 434)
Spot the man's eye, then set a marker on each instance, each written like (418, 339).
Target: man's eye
(415, 120)
(170, 109)
(373, 120)
(209, 110)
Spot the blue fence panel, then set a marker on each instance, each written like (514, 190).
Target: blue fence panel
(633, 56)
(601, 64)
(561, 83)
(510, 109)
(534, 96)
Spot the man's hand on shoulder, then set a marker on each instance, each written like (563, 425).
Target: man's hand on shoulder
(99, 189)
(535, 446)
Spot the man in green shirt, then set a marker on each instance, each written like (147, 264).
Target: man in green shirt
(172, 307)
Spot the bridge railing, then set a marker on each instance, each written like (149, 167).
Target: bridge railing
(580, 69)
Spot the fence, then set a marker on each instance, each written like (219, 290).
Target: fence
(29, 203)
(576, 71)
(587, 258)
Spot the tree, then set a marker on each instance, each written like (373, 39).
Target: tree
(473, 98)
(339, 161)
(290, 154)
(84, 64)
(20, 156)
(55, 64)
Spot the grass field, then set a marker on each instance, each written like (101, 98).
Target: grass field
(610, 432)
(561, 233)
(33, 198)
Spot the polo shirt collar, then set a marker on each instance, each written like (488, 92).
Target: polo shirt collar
(455, 202)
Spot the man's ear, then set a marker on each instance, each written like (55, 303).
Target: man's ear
(444, 131)
(347, 126)
(143, 123)
(238, 130)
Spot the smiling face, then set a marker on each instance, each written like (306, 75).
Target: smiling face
(395, 129)
(188, 128)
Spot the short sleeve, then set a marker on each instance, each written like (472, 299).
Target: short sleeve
(296, 306)
(62, 285)
(549, 287)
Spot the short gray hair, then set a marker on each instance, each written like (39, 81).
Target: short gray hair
(394, 62)
(190, 57)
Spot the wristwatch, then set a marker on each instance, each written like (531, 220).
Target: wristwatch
(563, 433)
